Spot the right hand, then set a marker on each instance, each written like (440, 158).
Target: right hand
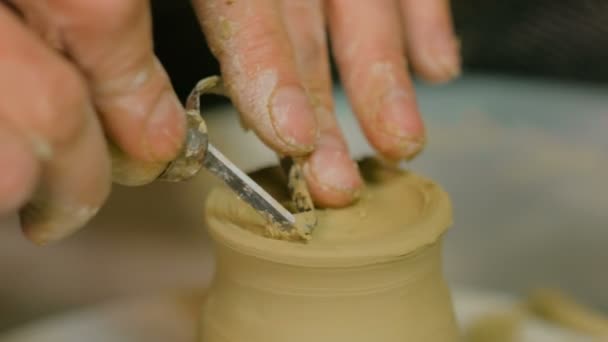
(274, 56)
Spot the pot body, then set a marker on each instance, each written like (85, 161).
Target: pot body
(257, 300)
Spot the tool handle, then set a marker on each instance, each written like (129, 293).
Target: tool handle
(127, 171)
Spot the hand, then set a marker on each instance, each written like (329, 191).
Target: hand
(77, 72)
(69, 68)
(274, 60)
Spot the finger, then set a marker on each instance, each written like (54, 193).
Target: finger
(111, 42)
(369, 53)
(47, 102)
(431, 43)
(333, 178)
(20, 169)
(257, 62)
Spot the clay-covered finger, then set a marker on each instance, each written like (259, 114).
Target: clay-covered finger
(368, 46)
(111, 43)
(332, 176)
(47, 103)
(432, 45)
(260, 73)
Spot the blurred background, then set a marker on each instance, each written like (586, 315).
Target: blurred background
(519, 142)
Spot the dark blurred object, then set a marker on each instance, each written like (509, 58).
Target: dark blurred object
(551, 38)
(557, 38)
(180, 45)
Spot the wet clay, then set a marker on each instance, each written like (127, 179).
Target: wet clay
(371, 272)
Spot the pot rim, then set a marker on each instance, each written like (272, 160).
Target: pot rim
(426, 230)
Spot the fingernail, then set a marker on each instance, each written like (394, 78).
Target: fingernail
(393, 118)
(410, 148)
(405, 130)
(165, 128)
(332, 167)
(450, 64)
(293, 119)
(444, 59)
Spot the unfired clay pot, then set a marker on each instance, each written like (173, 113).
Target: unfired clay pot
(372, 271)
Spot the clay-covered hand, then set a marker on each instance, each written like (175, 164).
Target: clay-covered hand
(274, 60)
(69, 68)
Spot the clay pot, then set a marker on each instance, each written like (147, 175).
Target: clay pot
(381, 287)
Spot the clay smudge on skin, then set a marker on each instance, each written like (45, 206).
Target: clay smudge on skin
(251, 82)
(44, 222)
(143, 75)
(252, 88)
(42, 149)
(225, 29)
(380, 84)
(385, 71)
(139, 79)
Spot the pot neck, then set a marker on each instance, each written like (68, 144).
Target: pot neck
(256, 274)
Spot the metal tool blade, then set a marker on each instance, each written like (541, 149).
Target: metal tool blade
(248, 190)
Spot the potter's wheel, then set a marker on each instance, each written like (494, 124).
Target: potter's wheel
(174, 318)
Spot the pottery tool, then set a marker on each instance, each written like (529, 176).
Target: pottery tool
(199, 153)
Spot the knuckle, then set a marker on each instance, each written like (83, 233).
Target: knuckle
(319, 90)
(139, 74)
(384, 67)
(261, 41)
(312, 54)
(307, 32)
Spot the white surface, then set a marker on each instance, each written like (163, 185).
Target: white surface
(165, 319)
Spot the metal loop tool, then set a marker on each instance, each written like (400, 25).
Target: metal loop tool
(198, 152)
